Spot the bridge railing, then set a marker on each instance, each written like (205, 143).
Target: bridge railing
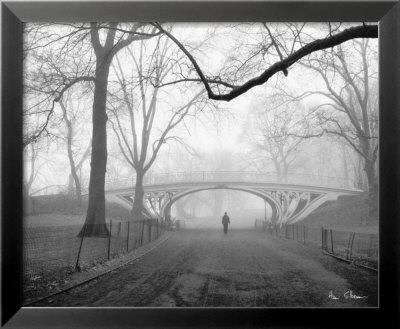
(238, 176)
(216, 176)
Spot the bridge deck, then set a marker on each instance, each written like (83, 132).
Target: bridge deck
(233, 184)
(237, 178)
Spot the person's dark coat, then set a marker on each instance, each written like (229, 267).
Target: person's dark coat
(225, 220)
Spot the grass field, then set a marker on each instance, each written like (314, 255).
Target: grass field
(53, 220)
(349, 213)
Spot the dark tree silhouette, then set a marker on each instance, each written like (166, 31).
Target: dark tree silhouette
(282, 65)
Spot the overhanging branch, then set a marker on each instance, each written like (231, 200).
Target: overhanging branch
(362, 31)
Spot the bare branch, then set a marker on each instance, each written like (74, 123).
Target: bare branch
(285, 71)
(362, 31)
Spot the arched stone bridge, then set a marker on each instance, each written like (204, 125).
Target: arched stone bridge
(291, 198)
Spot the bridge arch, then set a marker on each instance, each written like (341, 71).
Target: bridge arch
(291, 199)
(166, 208)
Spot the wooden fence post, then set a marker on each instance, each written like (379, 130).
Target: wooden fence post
(119, 237)
(149, 230)
(348, 245)
(141, 236)
(351, 245)
(332, 243)
(80, 247)
(109, 241)
(304, 234)
(135, 229)
(127, 239)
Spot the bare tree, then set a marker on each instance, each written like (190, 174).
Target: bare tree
(271, 131)
(351, 112)
(278, 50)
(75, 163)
(98, 43)
(32, 154)
(104, 55)
(139, 134)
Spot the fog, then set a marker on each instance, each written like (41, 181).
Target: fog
(206, 208)
(249, 134)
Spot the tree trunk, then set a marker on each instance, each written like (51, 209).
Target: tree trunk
(70, 185)
(372, 190)
(73, 174)
(28, 209)
(359, 173)
(277, 168)
(167, 216)
(345, 166)
(285, 170)
(95, 218)
(137, 209)
(369, 168)
(78, 190)
(369, 165)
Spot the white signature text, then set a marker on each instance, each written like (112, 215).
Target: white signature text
(347, 295)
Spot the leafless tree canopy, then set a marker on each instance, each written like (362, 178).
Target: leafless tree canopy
(147, 93)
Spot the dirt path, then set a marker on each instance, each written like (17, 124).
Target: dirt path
(246, 268)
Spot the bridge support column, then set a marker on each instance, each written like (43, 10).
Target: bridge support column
(265, 209)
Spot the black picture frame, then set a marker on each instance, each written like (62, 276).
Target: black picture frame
(387, 12)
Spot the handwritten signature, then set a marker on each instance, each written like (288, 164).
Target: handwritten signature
(347, 295)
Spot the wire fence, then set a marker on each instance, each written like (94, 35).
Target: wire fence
(56, 251)
(359, 248)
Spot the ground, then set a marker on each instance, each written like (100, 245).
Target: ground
(245, 268)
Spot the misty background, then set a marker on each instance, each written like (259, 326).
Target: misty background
(297, 124)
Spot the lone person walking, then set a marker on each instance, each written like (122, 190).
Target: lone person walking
(225, 222)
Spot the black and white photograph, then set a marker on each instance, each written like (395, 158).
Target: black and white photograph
(201, 165)
(210, 164)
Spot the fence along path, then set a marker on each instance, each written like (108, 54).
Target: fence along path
(54, 252)
(359, 248)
